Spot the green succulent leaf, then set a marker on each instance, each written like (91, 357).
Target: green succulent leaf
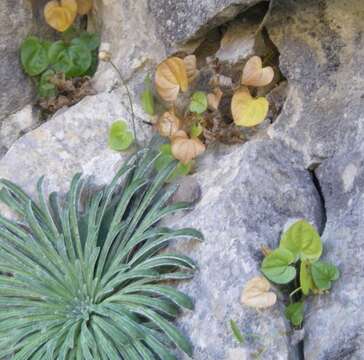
(33, 56)
(120, 138)
(306, 281)
(303, 241)
(147, 98)
(236, 332)
(90, 283)
(294, 313)
(324, 274)
(198, 102)
(276, 266)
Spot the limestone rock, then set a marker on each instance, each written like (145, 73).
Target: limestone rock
(15, 24)
(180, 20)
(248, 194)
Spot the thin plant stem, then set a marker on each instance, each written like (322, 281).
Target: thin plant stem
(130, 100)
(294, 292)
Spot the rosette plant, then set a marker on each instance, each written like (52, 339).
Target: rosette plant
(87, 279)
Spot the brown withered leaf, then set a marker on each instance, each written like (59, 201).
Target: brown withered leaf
(255, 75)
(84, 6)
(170, 78)
(256, 293)
(185, 149)
(214, 98)
(191, 67)
(168, 124)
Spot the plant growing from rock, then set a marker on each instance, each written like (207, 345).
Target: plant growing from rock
(192, 115)
(86, 278)
(61, 69)
(295, 266)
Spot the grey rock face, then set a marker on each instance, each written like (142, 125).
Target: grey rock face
(248, 195)
(180, 20)
(15, 25)
(321, 46)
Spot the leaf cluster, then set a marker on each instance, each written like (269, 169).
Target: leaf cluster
(296, 261)
(88, 279)
(43, 60)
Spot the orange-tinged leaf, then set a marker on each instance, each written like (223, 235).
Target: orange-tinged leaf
(255, 75)
(191, 67)
(60, 15)
(168, 124)
(84, 6)
(185, 149)
(248, 111)
(170, 78)
(256, 293)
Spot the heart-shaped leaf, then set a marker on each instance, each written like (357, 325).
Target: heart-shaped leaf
(120, 138)
(185, 149)
(255, 75)
(170, 78)
(196, 129)
(306, 281)
(55, 49)
(303, 241)
(276, 266)
(166, 158)
(256, 293)
(323, 274)
(60, 15)
(198, 102)
(168, 124)
(84, 6)
(33, 56)
(81, 59)
(191, 67)
(248, 111)
(294, 313)
(90, 40)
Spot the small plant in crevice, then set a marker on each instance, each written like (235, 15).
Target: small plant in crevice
(86, 275)
(62, 69)
(295, 267)
(192, 112)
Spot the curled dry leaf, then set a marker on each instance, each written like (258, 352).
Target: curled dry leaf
(168, 124)
(256, 293)
(170, 78)
(214, 98)
(185, 149)
(246, 110)
(255, 75)
(60, 15)
(84, 6)
(191, 67)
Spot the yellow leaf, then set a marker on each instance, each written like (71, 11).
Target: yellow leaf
(256, 293)
(168, 124)
(185, 149)
(191, 67)
(84, 6)
(255, 75)
(170, 78)
(248, 111)
(60, 15)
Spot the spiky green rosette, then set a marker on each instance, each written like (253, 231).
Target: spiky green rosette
(89, 282)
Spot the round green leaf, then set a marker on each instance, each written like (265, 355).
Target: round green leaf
(303, 241)
(33, 56)
(323, 274)
(196, 130)
(120, 138)
(294, 313)
(276, 266)
(54, 50)
(306, 281)
(81, 59)
(91, 40)
(63, 62)
(198, 102)
(46, 88)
